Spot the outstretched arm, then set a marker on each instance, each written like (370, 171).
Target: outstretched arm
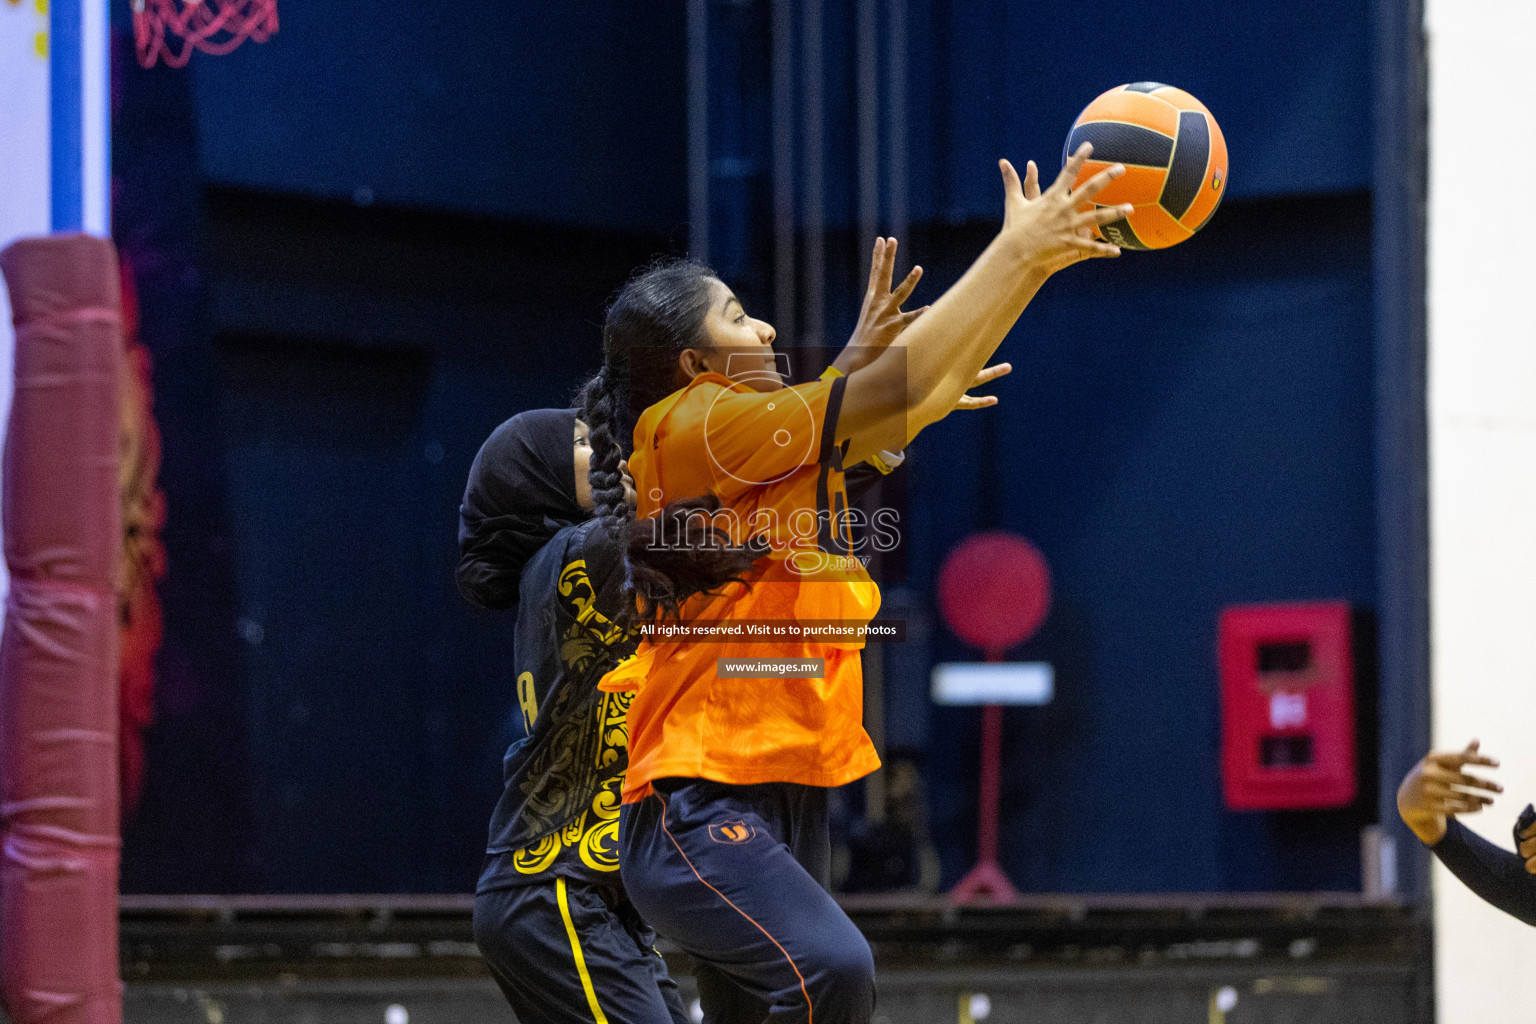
(950, 343)
(1439, 788)
(1494, 873)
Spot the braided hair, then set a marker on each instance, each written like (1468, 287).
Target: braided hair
(656, 315)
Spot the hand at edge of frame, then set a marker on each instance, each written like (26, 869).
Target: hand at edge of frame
(1439, 788)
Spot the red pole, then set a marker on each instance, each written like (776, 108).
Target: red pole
(987, 877)
(58, 655)
(991, 778)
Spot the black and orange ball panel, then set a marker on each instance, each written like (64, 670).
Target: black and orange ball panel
(1175, 162)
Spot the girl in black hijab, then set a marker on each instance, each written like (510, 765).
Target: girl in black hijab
(550, 914)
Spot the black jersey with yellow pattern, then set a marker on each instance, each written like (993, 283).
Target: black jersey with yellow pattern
(559, 809)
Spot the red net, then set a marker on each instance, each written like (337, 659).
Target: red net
(170, 30)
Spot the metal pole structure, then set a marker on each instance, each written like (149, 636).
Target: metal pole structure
(896, 121)
(874, 724)
(79, 112)
(812, 126)
(1402, 428)
(698, 130)
(987, 878)
(784, 168)
(867, 61)
(991, 782)
(867, 57)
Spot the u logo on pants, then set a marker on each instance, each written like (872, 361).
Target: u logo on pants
(732, 832)
(722, 871)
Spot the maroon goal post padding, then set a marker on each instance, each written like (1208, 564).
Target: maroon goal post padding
(58, 657)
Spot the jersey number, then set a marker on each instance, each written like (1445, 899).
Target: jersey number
(527, 700)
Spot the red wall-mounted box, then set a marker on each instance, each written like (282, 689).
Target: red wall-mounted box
(1287, 706)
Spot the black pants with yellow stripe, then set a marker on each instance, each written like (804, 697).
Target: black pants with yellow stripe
(573, 953)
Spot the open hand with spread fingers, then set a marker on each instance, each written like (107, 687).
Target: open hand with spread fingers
(881, 318)
(1049, 229)
(1440, 787)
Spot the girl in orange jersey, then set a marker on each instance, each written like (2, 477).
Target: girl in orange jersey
(723, 841)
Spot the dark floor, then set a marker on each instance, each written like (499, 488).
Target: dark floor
(1257, 993)
(1052, 960)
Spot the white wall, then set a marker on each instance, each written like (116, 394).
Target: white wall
(23, 157)
(1482, 412)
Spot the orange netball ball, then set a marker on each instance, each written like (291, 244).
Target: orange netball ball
(1175, 162)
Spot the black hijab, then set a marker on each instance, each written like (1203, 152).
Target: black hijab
(521, 492)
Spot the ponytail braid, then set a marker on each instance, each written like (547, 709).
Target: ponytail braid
(599, 403)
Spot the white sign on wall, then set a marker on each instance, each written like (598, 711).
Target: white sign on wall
(993, 682)
(24, 166)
